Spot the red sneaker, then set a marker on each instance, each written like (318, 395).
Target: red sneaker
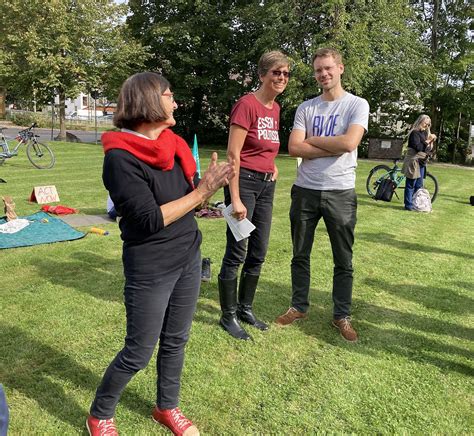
(175, 421)
(101, 427)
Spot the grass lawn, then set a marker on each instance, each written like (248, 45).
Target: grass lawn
(62, 321)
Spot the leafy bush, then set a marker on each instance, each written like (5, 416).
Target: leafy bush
(27, 119)
(453, 150)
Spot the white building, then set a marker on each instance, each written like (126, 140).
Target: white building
(82, 107)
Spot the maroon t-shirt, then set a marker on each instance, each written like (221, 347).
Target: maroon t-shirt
(262, 141)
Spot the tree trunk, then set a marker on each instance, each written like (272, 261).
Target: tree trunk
(459, 125)
(434, 30)
(434, 54)
(196, 113)
(2, 103)
(62, 116)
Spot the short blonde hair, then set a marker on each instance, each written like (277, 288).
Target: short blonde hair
(139, 100)
(271, 59)
(325, 52)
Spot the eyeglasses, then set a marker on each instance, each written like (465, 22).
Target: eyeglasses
(170, 95)
(278, 73)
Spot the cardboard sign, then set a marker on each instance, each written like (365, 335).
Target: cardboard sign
(44, 194)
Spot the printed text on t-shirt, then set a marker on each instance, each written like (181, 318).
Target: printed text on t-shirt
(268, 129)
(324, 126)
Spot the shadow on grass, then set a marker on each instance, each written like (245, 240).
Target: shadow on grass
(389, 239)
(442, 299)
(374, 323)
(87, 272)
(456, 198)
(466, 285)
(368, 201)
(31, 368)
(12, 162)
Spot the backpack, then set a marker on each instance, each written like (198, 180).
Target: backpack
(422, 201)
(385, 190)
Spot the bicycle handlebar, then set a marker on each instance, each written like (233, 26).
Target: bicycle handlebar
(24, 131)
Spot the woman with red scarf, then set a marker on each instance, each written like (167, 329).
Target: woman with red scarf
(149, 172)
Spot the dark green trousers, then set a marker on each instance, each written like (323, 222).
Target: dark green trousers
(338, 208)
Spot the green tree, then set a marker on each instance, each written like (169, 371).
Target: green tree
(448, 94)
(193, 46)
(64, 47)
(383, 53)
(401, 55)
(209, 50)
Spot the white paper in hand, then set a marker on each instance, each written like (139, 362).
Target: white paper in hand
(240, 229)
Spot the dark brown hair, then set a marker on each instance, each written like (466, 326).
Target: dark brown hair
(139, 100)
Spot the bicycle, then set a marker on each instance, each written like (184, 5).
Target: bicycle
(39, 154)
(380, 172)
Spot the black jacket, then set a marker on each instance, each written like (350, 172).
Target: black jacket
(137, 190)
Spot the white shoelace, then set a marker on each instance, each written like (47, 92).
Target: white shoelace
(346, 322)
(179, 418)
(107, 427)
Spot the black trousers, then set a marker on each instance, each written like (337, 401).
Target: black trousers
(159, 308)
(257, 197)
(338, 208)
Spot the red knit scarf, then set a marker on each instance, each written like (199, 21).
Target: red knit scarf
(159, 153)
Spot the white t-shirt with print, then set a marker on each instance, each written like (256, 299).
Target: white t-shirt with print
(318, 117)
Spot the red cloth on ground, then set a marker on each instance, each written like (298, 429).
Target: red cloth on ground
(58, 210)
(159, 153)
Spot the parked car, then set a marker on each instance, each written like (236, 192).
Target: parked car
(75, 116)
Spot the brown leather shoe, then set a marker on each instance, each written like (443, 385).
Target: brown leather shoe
(290, 316)
(345, 328)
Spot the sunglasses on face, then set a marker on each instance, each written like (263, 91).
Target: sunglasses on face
(278, 73)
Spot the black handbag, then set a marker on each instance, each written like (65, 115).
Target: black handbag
(385, 190)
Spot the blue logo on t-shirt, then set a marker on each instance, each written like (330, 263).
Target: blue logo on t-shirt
(324, 126)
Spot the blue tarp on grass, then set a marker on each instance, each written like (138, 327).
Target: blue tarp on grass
(43, 229)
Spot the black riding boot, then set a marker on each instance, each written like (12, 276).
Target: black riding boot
(247, 288)
(228, 299)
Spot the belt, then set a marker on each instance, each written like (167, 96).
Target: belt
(266, 177)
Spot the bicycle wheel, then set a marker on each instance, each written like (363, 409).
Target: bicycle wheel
(40, 155)
(376, 175)
(430, 183)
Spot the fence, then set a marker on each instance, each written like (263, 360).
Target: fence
(45, 119)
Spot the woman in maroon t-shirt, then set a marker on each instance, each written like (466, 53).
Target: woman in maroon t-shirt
(253, 145)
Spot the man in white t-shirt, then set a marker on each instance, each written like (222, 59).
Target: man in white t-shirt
(326, 133)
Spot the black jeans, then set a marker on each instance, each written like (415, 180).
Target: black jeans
(257, 197)
(159, 308)
(338, 208)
